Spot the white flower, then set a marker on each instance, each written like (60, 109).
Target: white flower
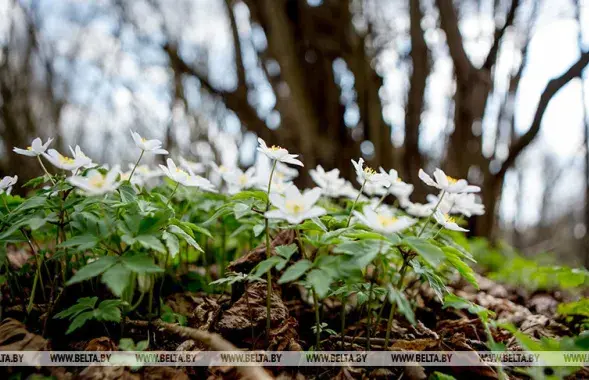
(153, 146)
(6, 184)
(238, 180)
(369, 175)
(191, 166)
(373, 188)
(383, 220)
(63, 162)
(397, 187)
(418, 209)
(295, 207)
(220, 169)
(81, 158)
(278, 154)
(447, 221)
(447, 183)
(201, 182)
(349, 191)
(284, 172)
(36, 149)
(96, 183)
(175, 173)
(278, 187)
(467, 205)
(447, 203)
(330, 182)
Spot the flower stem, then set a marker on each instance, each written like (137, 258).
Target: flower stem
(173, 192)
(381, 200)
(354, 204)
(433, 212)
(317, 321)
(268, 254)
(394, 306)
(45, 170)
(135, 167)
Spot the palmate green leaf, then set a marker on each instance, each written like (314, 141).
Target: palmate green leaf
(172, 243)
(397, 297)
(108, 311)
(465, 271)
(435, 282)
(117, 278)
(251, 194)
(174, 229)
(295, 271)
(364, 251)
(224, 210)
(38, 201)
(84, 303)
(37, 181)
(452, 300)
(79, 321)
(286, 251)
(151, 242)
(141, 264)
(258, 229)
(320, 281)
(432, 254)
(580, 307)
(267, 265)
(241, 209)
(127, 193)
(197, 229)
(83, 242)
(93, 269)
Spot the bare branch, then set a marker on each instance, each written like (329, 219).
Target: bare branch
(449, 23)
(499, 33)
(553, 86)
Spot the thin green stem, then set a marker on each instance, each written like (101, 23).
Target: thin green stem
(172, 195)
(268, 254)
(135, 167)
(45, 170)
(394, 306)
(381, 200)
(317, 321)
(136, 305)
(354, 204)
(433, 212)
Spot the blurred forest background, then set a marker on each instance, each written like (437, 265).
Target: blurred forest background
(489, 90)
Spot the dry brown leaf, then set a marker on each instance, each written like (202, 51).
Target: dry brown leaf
(106, 373)
(14, 336)
(246, 263)
(101, 344)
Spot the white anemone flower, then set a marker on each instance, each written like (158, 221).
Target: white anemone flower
(175, 173)
(6, 184)
(81, 157)
(37, 148)
(96, 183)
(397, 187)
(419, 210)
(153, 146)
(447, 221)
(284, 172)
(191, 166)
(330, 182)
(238, 180)
(295, 207)
(373, 188)
(467, 205)
(447, 183)
(201, 182)
(278, 154)
(446, 205)
(369, 175)
(63, 162)
(384, 220)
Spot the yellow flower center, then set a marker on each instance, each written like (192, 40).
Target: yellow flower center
(65, 160)
(275, 148)
(243, 180)
(97, 181)
(29, 148)
(451, 180)
(143, 139)
(368, 170)
(178, 170)
(222, 169)
(399, 179)
(386, 221)
(294, 207)
(449, 219)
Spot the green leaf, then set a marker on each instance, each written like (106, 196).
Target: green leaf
(429, 252)
(127, 344)
(266, 265)
(451, 300)
(116, 278)
(198, 229)
(462, 267)
(127, 193)
(83, 242)
(440, 376)
(258, 229)
(398, 298)
(108, 311)
(241, 209)
(251, 194)
(286, 251)
(151, 242)
(172, 243)
(84, 303)
(363, 250)
(79, 321)
(142, 345)
(580, 307)
(295, 271)
(141, 264)
(93, 269)
(181, 233)
(319, 281)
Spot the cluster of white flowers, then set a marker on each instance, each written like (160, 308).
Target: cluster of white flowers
(292, 205)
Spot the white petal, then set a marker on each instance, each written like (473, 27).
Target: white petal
(311, 197)
(275, 214)
(441, 178)
(37, 145)
(426, 178)
(24, 152)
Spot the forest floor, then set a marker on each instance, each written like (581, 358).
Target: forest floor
(239, 317)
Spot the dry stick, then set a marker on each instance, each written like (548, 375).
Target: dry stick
(214, 341)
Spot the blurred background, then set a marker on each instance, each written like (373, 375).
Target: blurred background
(489, 90)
